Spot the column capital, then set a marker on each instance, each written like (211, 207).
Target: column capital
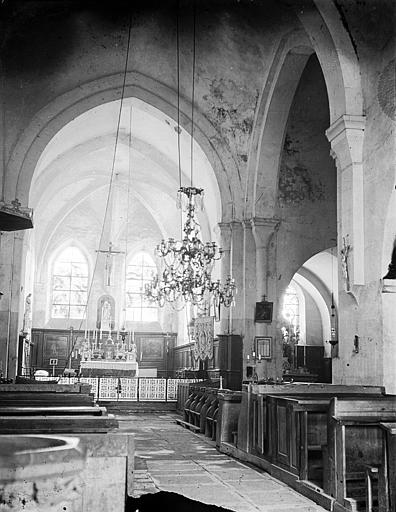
(263, 228)
(269, 222)
(346, 138)
(345, 122)
(246, 223)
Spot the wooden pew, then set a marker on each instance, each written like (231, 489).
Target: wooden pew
(356, 452)
(94, 410)
(389, 460)
(200, 411)
(196, 406)
(194, 390)
(51, 408)
(297, 428)
(211, 397)
(227, 417)
(55, 399)
(211, 419)
(254, 433)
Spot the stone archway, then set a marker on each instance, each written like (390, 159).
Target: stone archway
(48, 121)
(324, 35)
(271, 118)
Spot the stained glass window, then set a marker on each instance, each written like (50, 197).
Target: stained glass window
(70, 284)
(140, 271)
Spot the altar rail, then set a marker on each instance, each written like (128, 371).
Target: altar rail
(137, 389)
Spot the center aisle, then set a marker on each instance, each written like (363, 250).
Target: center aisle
(171, 458)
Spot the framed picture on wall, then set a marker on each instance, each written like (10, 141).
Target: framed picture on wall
(263, 313)
(263, 347)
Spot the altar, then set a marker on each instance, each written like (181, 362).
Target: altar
(109, 368)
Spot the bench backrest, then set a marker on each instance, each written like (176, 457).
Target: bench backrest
(316, 388)
(41, 387)
(364, 409)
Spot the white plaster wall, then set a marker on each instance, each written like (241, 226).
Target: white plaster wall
(372, 30)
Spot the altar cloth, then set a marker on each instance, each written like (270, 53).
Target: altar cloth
(109, 367)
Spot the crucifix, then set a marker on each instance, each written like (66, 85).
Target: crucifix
(109, 262)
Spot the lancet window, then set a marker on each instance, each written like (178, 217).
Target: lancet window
(69, 284)
(140, 271)
(291, 313)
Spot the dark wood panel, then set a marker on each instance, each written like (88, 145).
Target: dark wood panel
(154, 349)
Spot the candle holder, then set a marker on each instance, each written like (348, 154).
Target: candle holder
(253, 358)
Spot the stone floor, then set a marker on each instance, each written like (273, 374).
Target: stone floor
(171, 458)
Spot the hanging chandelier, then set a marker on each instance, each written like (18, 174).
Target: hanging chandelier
(188, 263)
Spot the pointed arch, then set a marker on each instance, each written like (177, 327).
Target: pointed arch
(325, 35)
(63, 109)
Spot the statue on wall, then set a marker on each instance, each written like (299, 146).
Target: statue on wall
(105, 324)
(346, 249)
(392, 265)
(132, 353)
(27, 316)
(105, 313)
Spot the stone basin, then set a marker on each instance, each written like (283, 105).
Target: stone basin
(40, 473)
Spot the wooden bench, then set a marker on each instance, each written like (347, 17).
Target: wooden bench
(51, 409)
(254, 432)
(187, 424)
(201, 401)
(56, 424)
(211, 397)
(297, 435)
(187, 406)
(40, 410)
(211, 420)
(32, 399)
(356, 452)
(389, 459)
(196, 406)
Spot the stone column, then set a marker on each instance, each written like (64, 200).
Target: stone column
(346, 138)
(236, 312)
(264, 230)
(249, 289)
(225, 244)
(11, 254)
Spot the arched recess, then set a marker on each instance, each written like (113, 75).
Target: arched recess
(318, 280)
(63, 109)
(325, 35)
(270, 123)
